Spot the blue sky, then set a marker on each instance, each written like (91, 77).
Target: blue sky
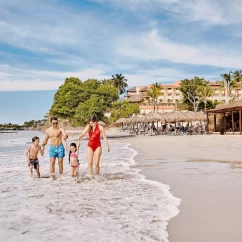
(43, 42)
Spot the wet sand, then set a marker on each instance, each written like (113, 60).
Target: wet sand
(206, 173)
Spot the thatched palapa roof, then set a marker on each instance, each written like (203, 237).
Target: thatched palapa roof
(227, 107)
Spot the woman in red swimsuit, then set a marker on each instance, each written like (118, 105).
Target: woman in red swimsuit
(94, 148)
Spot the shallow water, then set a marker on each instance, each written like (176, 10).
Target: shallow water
(118, 205)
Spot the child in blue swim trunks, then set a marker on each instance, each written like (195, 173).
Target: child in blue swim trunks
(32, 156)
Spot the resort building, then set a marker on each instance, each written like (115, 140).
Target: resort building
(170, 96)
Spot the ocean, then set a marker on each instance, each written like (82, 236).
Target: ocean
(119, 205)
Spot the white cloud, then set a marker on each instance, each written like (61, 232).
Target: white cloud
(151, 46)
(216, 12)
(29, 85)
(91, 45)
(45, 27)
(13, 79)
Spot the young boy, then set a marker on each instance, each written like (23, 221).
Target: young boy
(32, 156)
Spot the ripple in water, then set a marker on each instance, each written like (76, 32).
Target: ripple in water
(119, 205)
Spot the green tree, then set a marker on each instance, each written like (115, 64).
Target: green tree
(75, 97)
(204, 92)
(120, 82)
(209, 105)
(153, 93)
(123, 109)
(28, 124)
(94, 106)
(108, 82)
(67, 98)
(189, 91)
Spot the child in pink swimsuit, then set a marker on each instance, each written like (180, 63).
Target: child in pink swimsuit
(73, 151)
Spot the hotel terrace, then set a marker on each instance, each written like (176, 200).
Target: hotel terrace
(170, 96)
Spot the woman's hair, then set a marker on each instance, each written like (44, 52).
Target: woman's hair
(91, 119)
(34, 138)
(74, 145)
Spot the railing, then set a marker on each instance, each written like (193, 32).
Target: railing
(158, 104)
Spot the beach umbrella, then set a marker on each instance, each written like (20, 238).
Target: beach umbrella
(200, 116)
(189, 115)
(148, 117)
(135, 119)
(120, 121)
(127, 121)
(174, 116)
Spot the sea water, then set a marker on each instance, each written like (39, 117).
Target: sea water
(119, 205)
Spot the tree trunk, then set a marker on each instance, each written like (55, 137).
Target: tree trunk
(205, 105)
(194, 106)
(227, 95)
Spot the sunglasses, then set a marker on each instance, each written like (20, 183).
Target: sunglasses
(55, 123)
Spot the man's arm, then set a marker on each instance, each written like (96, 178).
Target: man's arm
(67, 147)
(45, 140)
(41, 151)
(65, 135)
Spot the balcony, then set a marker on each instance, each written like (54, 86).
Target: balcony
(158, 104)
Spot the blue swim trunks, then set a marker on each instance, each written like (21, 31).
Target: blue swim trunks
(57, 151)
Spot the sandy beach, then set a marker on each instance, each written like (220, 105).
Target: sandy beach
(205, 172)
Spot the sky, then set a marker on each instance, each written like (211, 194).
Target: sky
(44, 42)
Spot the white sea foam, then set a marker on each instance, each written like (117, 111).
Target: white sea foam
(118, 205)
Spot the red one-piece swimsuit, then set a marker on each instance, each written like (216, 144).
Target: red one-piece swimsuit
(94, 138)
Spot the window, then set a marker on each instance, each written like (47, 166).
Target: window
(169, 94)
(161, 100)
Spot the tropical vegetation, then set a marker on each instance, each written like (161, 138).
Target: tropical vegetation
(77, 101)
(120, 82)
(190, 88)
(231, 81)
(153, 93)
(123, 109)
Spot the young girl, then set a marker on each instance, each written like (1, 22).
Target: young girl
(32, 156)
(73, 151)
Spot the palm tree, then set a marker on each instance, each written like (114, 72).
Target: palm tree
(238, 81)
(237, 75)
(204, 92)
(228, 83)
(120, 82)
(153, 93)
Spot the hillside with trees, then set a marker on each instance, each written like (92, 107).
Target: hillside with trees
(77, 100)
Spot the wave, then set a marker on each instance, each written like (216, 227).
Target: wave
(119, 205)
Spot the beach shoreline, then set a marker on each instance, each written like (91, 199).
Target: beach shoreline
(204, 172)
